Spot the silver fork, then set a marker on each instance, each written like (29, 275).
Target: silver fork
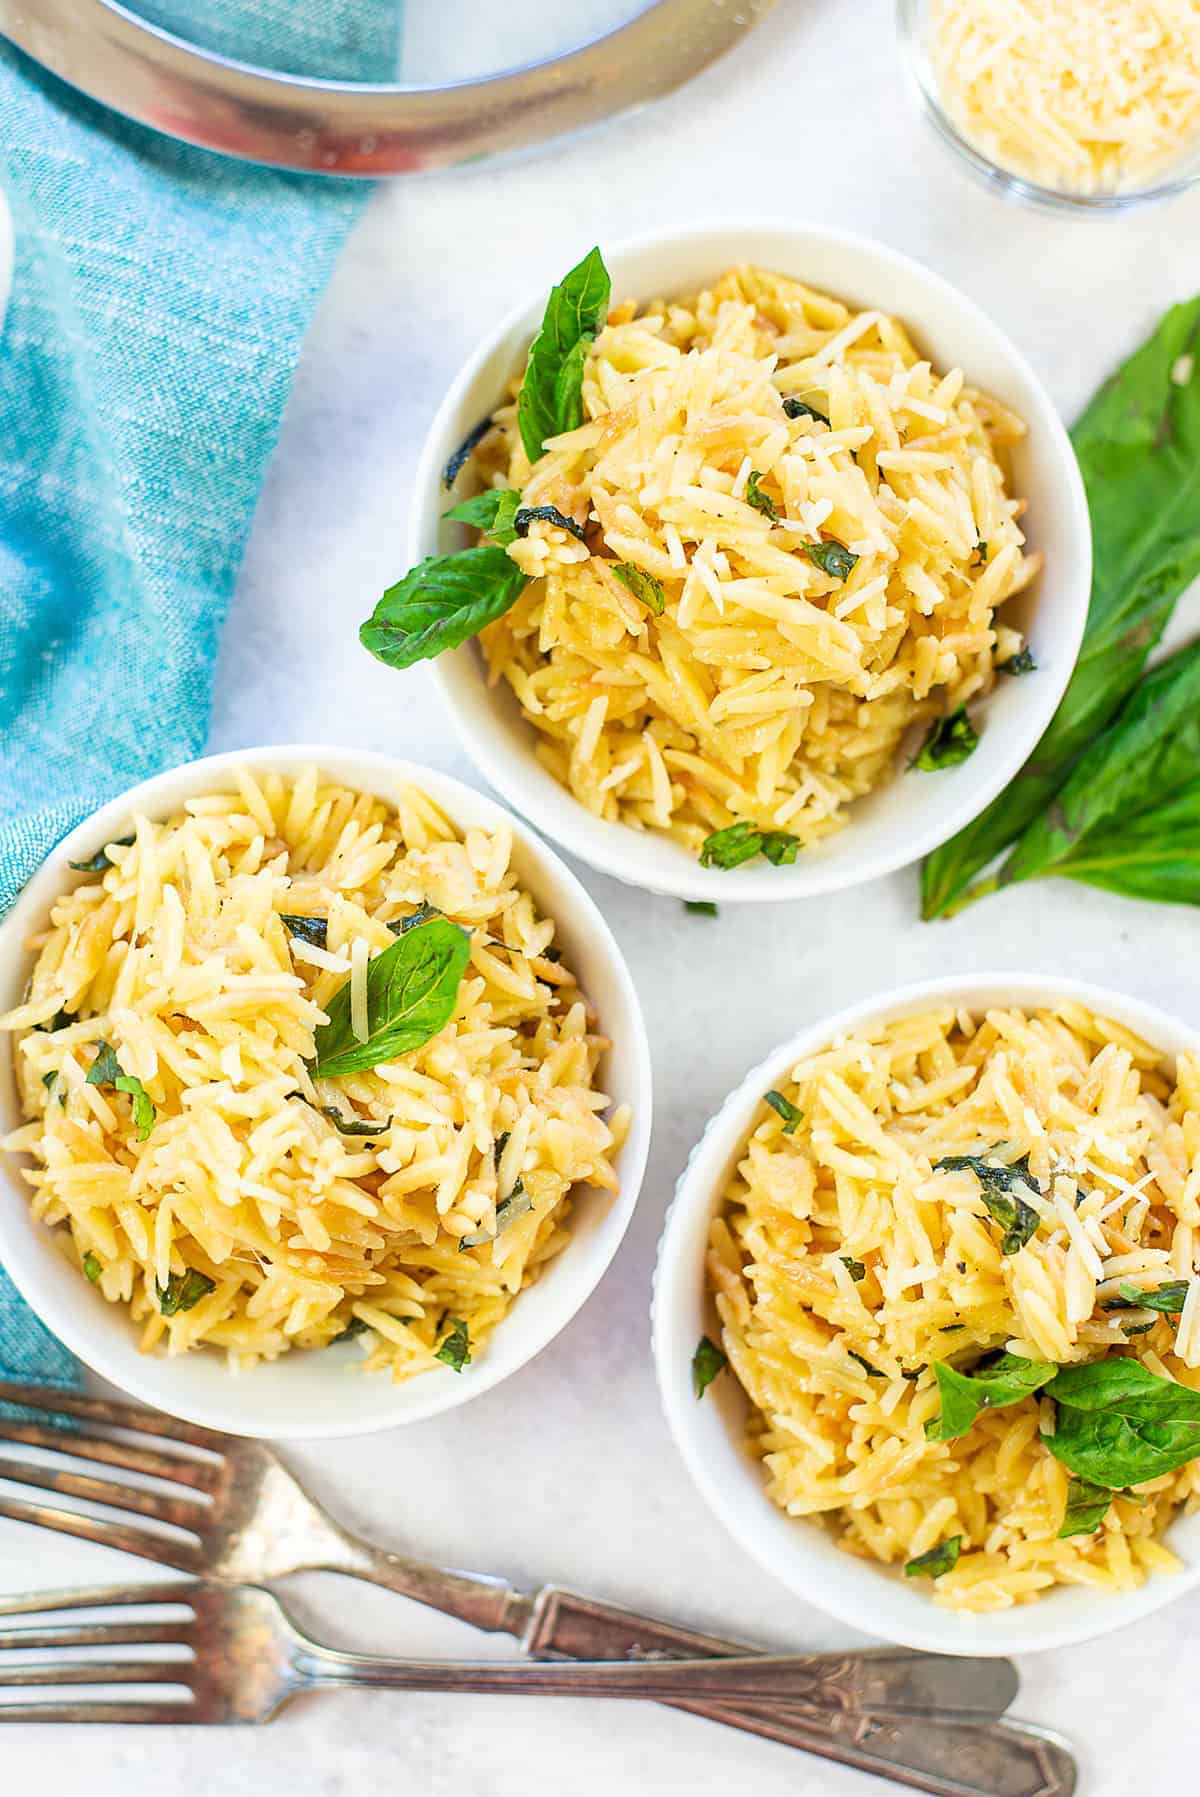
(246, 1659)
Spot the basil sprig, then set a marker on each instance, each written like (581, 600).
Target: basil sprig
(728, 848)
(106, 1070)
(1000, 1187)
(1118, 1424)
(998, 1381)
(950, 740)
(412, 988)
(1138, 445)
(551, 397)
(441, 603)
(494, 512)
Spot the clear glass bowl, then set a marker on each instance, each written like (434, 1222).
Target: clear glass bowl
(914, 27)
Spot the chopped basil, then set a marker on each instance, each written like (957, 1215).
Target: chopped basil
(740, 842)
(762, 502)
(354, 1327)
(872, 1372)
(183, 1291)
(92, 1266)
(1000, 1187)
(498, 1147)
(59, 1021)
(441, 603)
(517, 1204)
(979, 558)
(101, 859)
(700, 907)
(1020, 663)
(493, 512)
(800, 408)
(991, 1385)
(950, 740)
(707, 1362)
(455, 1350)
(856, 1268)
(466, 448)
(1119, 1424)
(1087, 1506)
(1169, 1298)
(412, 989)
(353, 1126)
(833, 558)
(106, 1070)
(940, 1559)
(546, 514)
(1132, 1329)
(424, 911)
(50, 1080)
(786, 1109)
(645, 588)
(313, 930)
(551, 397)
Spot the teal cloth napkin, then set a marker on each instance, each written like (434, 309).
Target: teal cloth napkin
(160, 298)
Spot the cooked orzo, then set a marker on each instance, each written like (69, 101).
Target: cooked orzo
(956, 1271)
(300, 1063)
(793, 535)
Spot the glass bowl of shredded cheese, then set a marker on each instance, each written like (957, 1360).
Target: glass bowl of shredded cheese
(1091, 105)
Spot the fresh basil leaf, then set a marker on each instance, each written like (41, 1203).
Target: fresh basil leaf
(872, 1372)
(950, 740)
(786, 1109)
(762, 502)
(707, 1362)
(92, 1266)
(833, 558)
(101, 859)
(1020, 663)
(1128, 816)
(1169, 1298)
(551, 397)
(463, 453)
(856, 1268)
(1131, 1329)
(995, 1383)
(800, 408)
(645, 589)
(1119, 1424)
(353, 1126)
(1138, 445)
(940, 1559)
(455, 1350)
(1000, 1187)
(1087, 1506)
(106, 1070)
(728, 848)
(548, 514)
(183, 1291)
(400, 926)
(313, 930)
(441, 603)
(701, 907)
(354, 1327)
(494, 512)
(412, 988)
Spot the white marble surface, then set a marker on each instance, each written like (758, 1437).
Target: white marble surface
(565, 1472)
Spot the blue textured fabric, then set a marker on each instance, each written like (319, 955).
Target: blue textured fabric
(160, 298)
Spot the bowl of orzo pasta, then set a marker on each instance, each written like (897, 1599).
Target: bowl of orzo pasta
(927, 1313)
(748, 525)
(324, 1092)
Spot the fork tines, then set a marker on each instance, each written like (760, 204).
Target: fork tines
(37, 1679)
(151, 1518)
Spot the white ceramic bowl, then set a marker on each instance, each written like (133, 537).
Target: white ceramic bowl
(709, 1434)
(311, 1394)
(913, 814)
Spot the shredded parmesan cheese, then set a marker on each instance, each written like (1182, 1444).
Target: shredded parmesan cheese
(1088, 96)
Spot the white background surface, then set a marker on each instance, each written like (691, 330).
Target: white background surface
(565, 1471)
